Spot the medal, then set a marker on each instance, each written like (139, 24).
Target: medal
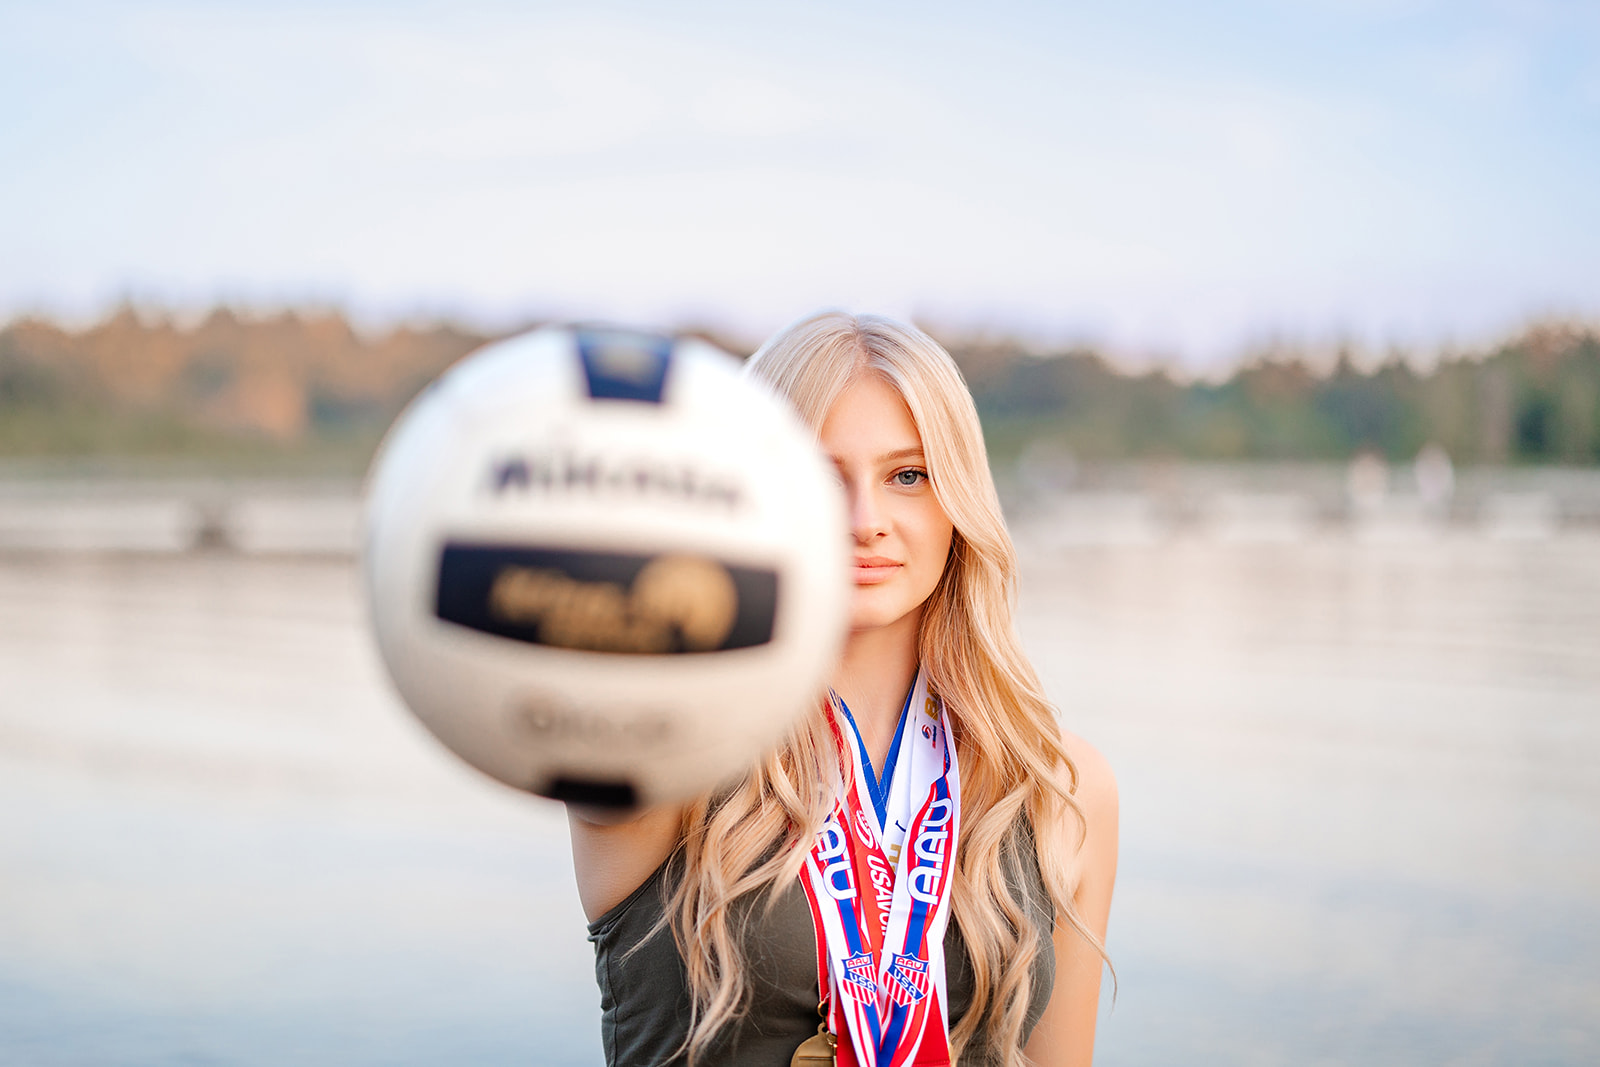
(816, 1050)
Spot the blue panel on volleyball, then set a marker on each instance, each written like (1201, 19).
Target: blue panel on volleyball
(620, 365)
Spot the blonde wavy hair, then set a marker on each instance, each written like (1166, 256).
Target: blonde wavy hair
(1007, 740)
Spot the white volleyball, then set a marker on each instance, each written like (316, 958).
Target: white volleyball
(604, 566)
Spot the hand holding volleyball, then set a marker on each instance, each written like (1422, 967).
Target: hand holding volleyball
(604, 566)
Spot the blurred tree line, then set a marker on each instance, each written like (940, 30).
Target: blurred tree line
(306, 389)
(1533, 399)
(231, 387)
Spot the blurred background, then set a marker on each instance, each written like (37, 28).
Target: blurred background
(1284, 324)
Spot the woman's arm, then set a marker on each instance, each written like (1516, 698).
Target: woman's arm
(1065, 1035)
(613, 856)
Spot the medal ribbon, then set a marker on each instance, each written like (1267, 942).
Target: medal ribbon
(880, 894)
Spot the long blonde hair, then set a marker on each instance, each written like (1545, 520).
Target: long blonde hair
(1008, 743)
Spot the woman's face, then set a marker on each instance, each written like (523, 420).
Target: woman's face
(900, 533)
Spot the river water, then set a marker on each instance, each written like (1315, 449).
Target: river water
(1361, 813)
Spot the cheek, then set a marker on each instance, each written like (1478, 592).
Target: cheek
(937, 534)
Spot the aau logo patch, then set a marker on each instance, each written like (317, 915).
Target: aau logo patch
(908, 979)
(858, 977)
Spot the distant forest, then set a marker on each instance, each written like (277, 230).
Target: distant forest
(307, 391)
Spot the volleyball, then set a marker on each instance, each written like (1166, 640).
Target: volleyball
(605, 567)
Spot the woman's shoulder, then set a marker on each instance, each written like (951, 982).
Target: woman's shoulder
(1096, 785)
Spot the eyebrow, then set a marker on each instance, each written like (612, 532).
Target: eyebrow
(894, 457)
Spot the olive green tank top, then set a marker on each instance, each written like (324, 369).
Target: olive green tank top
(644, 987)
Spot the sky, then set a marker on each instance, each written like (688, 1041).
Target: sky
(1172, 182)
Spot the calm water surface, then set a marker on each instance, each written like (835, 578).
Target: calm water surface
(1361, 814)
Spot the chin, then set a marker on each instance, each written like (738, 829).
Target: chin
(869, 613)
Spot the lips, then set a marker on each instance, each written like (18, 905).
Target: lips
(870, 570)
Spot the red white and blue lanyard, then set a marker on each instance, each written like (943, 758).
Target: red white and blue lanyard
(878, 881)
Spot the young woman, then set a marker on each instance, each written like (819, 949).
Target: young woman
(924, 867)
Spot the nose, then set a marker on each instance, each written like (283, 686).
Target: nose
(867, 518)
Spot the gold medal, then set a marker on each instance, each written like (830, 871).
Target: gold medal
(816, 1050)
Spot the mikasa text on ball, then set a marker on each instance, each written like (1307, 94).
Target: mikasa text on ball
(604, 566)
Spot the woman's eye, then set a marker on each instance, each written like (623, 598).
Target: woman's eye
(910, 476)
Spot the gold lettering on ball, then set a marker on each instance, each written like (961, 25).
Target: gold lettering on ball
(694, 594)
(690, 598)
